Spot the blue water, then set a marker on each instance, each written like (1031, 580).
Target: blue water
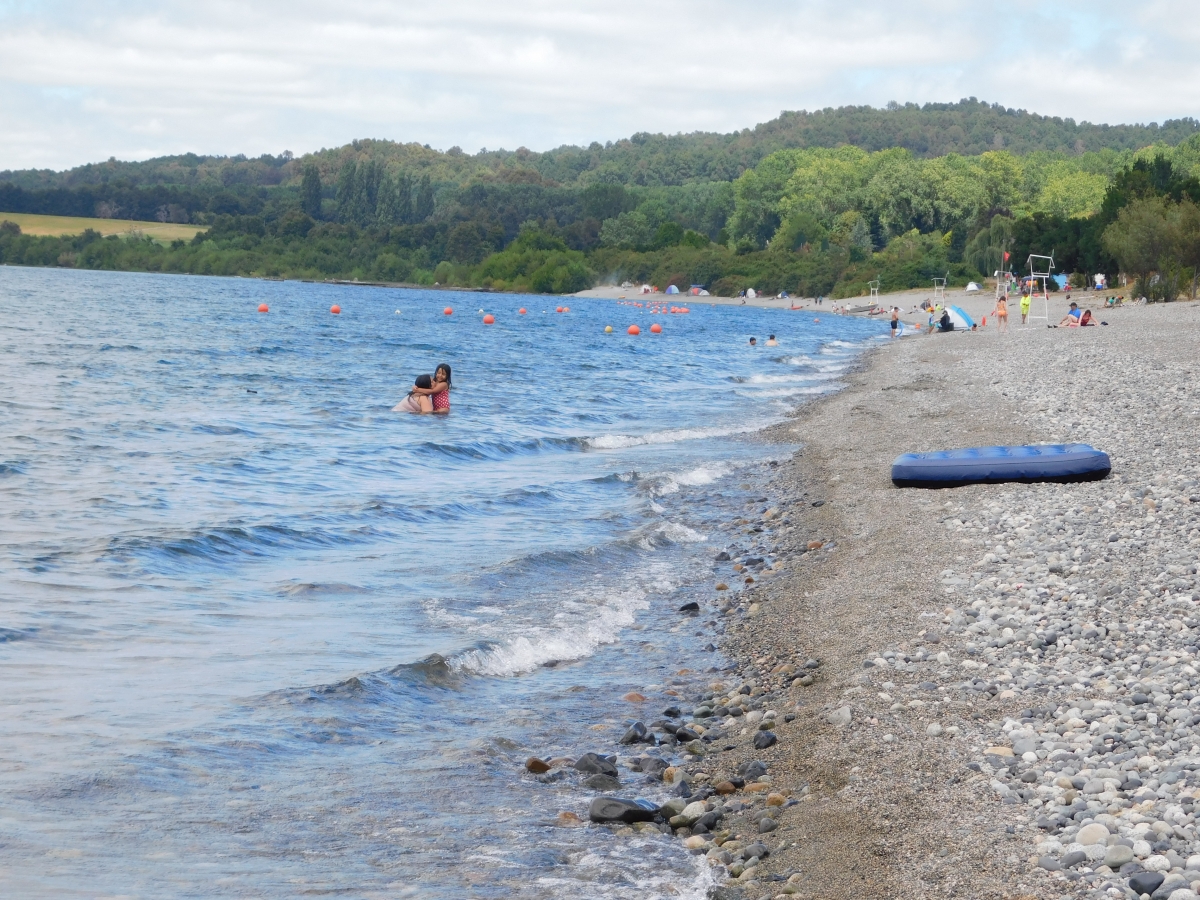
(261, 636)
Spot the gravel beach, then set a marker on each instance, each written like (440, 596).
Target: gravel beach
(1005, 703)
(989, 691)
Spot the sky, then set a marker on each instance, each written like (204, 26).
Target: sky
(82, 82)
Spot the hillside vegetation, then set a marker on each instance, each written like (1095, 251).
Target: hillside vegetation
(813, 203)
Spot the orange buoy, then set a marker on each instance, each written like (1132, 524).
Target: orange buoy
(656, 328)
(566, 309)
(558, 309)
(335, 309)
(447, 311)
(633, 329)
(489, 319)
(262, 307)
(684, 309)
(521, 311)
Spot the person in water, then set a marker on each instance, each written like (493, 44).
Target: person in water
(417, 402)
(771, 342)
(438, 392)
(753, 342)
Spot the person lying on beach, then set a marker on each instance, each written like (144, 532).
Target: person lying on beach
(417, 402)
(437, 392)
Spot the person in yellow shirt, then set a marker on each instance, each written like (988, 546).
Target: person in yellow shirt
(1025, 300)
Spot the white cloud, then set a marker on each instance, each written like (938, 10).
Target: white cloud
(81, 82)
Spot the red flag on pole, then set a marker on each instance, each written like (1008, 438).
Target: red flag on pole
(1006, 256)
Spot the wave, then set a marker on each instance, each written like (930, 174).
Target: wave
(12, 468)
(219, 545)
(498, 449)
(795, 378)
(669, 436)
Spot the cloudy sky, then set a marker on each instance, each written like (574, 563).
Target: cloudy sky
(81, 82)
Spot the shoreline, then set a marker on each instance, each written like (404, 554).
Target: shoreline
(978, 692)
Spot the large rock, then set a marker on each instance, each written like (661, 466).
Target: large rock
(1146, 882)
(615, 809)
(636, 733)
(752, 770)
(592, 764)
(1092, 834)
(601, 783)
(764, 739)
(839, 717)
(1117, 856)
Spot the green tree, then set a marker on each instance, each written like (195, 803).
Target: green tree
(1187, 237)
(1144, 239)
(423, 202)
(310, 192)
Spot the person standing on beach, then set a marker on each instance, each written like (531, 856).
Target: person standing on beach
(1025, 301)
(895, 319)
(1001, 313)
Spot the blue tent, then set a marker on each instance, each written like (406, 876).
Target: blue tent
(671, 289)
(961, 320)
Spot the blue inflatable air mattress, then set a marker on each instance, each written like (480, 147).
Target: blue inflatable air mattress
(992, 465)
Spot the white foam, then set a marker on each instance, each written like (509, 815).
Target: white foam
(794, 378)
(670, 436)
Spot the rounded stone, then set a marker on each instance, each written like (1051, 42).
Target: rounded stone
(1092, 834)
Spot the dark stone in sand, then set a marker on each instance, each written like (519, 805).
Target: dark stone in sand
(615, 809)
(818, 503)
(752, 770)
(636, 733)
(927, 686)
(1146, 882)
(764, 739)
(812, 664)
(693, 606)
(722, 556)
(652, 765)
(766, 825)
(686, 734)
(592, 764)
(537, 766)
(758, 849)
(673, 712)
(1050, 864)
(602, 783)
(1139, 699)
(1074, 858)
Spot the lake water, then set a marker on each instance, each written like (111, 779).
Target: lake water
(261, 636)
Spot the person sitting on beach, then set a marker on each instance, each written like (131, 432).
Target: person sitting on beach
(1086, 318)
(1071, 319)
(417, 402)
(438, 392)
(944, 323)
(771, 342)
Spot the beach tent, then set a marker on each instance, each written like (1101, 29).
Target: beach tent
(962, 322)
(972, 287)
(671, 289)
(750, 293)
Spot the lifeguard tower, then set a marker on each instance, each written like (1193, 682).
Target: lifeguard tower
(1040, 268)
(874, 286)
(939, 290)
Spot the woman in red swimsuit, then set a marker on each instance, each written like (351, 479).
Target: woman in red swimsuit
(439, 390)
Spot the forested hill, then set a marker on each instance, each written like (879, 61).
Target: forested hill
(969, 127)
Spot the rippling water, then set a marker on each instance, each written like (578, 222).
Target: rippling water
(261, 636)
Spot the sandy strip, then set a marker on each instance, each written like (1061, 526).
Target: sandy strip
(942, 783)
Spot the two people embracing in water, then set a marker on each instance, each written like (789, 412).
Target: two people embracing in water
(430, 394)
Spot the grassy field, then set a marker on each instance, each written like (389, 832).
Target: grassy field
(54, 226)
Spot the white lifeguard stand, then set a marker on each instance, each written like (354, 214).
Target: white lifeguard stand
(874, 286)
(939, 290)
(1040, 268)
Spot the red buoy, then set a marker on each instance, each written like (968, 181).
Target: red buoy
(656, 328)
(521, 311)
(558, 309)
(262, 307)
(489, 319)
(633, 329)
(335, 309)
(448, 311)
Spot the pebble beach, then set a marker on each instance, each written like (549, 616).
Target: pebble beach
(989, 691)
